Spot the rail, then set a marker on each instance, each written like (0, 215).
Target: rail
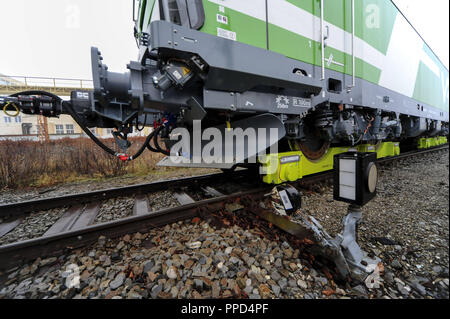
(24, 207)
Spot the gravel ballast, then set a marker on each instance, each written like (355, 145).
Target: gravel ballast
(406, 225)
(115, 208)
(33, 226)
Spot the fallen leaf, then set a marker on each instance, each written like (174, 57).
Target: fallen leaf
(327, 274)
(380, 267)
(328, 292)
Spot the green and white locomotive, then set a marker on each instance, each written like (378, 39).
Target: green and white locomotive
(327, 75)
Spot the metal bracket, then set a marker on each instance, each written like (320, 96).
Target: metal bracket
(121, 141)
(137, 91)
(343, 250)
(360, 264)
(327, 246)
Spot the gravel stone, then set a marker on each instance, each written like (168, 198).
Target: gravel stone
(302, 284)
(396, 264)
(275, 275)
(360, 291)
(172, 273)
(118, 281)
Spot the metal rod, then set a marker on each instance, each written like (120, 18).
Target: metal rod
(166, 10)
(134, 11)
(353, 44)
(41, 78)
(322, 40)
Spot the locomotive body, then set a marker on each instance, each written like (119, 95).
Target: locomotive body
(373, 70)
(321, 73)
(394, 68)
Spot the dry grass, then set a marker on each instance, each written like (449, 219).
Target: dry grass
(26, 163)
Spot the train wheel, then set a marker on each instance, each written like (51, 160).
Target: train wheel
(314, 149)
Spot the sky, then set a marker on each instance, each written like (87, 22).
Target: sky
(431, 20)
(52, 38)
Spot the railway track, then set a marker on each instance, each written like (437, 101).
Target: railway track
(22, 208)
(75, 227)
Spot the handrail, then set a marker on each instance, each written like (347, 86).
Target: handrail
(134, 11)
(322, 39)
(34, 81)
(353, 45)
(166, 10)
(41, 77)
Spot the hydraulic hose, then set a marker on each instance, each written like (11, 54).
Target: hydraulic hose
(155, 141)
(149, 145)
(102, 145)
(68, 107)
(146, 144)
(57, 98)
(71, 111)
(143, 147)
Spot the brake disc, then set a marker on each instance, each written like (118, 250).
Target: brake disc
(314, 149)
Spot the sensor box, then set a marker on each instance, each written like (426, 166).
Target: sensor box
(355, 177)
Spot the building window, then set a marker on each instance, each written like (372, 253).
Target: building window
(69, 129)
(7, 119)
(59, 129)
(109, 131)
(26, 128)
(18, 119)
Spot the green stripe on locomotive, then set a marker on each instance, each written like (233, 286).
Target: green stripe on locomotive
(252, 31)
(374, 25)
(428, 83)
(306, 50)
(248, 30)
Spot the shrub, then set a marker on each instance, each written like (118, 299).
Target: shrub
(27, 163)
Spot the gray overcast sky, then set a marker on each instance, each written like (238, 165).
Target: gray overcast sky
(52, 38)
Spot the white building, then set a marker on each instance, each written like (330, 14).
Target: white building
(27, 127)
